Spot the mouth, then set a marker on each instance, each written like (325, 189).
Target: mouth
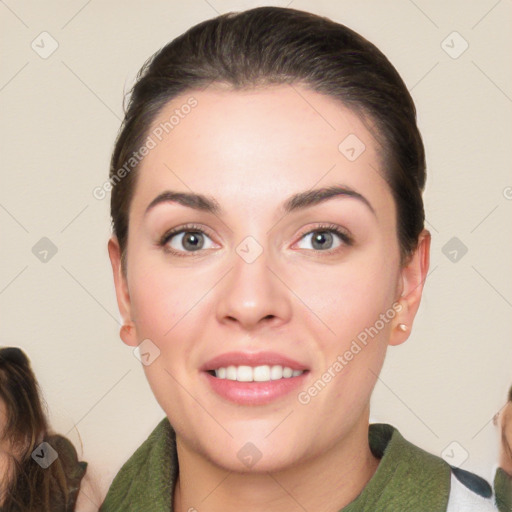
(253, 379)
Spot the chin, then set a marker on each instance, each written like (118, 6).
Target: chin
(249, 459)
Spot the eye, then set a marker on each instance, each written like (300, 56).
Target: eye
(192, 238)
(323, 238)
(185, 239)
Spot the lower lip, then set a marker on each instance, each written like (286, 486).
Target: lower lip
(254, 393)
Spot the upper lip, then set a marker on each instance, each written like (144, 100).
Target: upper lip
(251, 359)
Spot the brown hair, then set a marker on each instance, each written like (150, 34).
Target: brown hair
(29, 487)
(273, 45)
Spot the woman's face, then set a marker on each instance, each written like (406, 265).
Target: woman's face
(261, 282)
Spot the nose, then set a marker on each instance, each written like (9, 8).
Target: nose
(253, 294)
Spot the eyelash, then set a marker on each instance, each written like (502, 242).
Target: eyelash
(331, 228)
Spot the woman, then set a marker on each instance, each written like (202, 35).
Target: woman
(39, 471)
(250, 142)
(503, 477)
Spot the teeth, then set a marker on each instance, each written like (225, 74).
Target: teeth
(287, 372)
(230, 373)
(276, 372)
(263, 373)
(244, 374)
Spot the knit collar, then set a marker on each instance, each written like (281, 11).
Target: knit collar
(407, 478)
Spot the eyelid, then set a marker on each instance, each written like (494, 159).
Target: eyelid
(342, 232)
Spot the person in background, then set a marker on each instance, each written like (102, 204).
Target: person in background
(503, 477)
(39, 470)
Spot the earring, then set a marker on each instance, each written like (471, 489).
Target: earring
(402, 327)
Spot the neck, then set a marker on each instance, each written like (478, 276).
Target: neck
(327, 482)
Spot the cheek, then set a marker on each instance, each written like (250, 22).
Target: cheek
(159, 298)
(167, 308)
(354, 303)
(163, 311)
(351, 297)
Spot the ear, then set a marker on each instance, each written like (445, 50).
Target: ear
(412, 277)
(128, 332)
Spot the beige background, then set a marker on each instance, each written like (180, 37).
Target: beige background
(60, 115)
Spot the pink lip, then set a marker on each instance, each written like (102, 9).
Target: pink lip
(254, 393)
(248, 359)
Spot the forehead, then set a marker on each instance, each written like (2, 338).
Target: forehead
(250, 145)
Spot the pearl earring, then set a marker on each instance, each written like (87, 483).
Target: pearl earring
(402, 327)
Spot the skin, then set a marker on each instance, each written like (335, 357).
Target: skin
(251, 150)
(89, 496)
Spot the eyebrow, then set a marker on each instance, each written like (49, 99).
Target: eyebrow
(296, 202)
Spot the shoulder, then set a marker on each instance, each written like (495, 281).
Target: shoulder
(417, 477)
(147, 475)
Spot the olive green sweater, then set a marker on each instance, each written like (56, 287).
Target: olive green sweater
(407, 479)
